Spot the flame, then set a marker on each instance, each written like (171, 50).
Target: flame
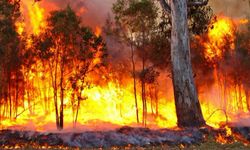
(36, 15)
(20, 27)
(225, 138)
(98, 31)
(226, 100)
(222, 28)
(228, 131)
(113, 102)
(221, 139)
(244, 21)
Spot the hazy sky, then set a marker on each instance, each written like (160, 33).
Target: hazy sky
(97, 10)
(231, 8)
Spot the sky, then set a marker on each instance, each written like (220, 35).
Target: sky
(231, 8)
(95, 12)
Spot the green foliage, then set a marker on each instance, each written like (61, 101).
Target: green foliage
(136, 17)
(138, 23)
(200, 19)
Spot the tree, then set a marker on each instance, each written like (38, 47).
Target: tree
(137, 19)
(70, 51)
(57, 45)
(188, 108)
(9, 55)
(84, 63)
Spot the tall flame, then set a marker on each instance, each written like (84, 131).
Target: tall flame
(222, 28)
(229, 99)
(36, 15)
(114, 101)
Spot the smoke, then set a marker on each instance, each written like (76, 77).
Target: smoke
(231, 8)
(95, 12)
(92, 12)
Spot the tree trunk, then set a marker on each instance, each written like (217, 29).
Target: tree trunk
(143, 94)
(9, 94)
(247, 92)
(54, 85)
(17, 94)
(134, 79)
(248, 101)
(61, 96)
(186, 99)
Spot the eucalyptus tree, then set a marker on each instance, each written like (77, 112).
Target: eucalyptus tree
(69, 50)
(9, 55)
(137, 19)
(188, 108)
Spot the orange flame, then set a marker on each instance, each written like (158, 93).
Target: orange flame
(223, 28)
(36, 15)
(98, 31)
(112, 102)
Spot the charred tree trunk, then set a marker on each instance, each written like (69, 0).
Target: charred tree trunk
(54, 85)
(248, 100)
(61, 96)
(156, 101)
(151, 98)
(17, 94)
(134, 79)
(247, 92)
(9, 94)
(186, 99)
(143, 93)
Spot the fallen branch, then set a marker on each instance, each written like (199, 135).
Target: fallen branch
(217, 111)
(25, 110)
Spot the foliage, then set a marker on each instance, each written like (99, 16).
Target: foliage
(10, 64)
(200, 19)
(71, 51)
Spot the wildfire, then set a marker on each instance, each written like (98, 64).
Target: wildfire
(98, 31)
(113, 103)
(223, 28)
(226, 99)
(226, 137)
(20, 27)
(243, 21)
(36, 15)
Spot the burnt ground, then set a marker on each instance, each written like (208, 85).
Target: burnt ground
(125, 137)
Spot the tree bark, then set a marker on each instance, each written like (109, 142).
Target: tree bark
(61, 95)
(9, 94)
(246, 90)
(134, 80)
(186, 99)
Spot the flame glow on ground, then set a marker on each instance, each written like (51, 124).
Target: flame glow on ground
(113, 103)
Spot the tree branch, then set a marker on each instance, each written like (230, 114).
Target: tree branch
(198, 3)
(165, 6)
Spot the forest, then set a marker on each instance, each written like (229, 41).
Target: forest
(152, 64)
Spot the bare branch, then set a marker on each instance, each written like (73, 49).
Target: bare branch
(198, 3)
(165, 6)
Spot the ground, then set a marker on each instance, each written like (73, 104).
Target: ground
(129, 138)
(209, 145)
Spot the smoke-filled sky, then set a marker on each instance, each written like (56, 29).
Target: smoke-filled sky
(97, 10)
(231, 8)
(94, 12)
